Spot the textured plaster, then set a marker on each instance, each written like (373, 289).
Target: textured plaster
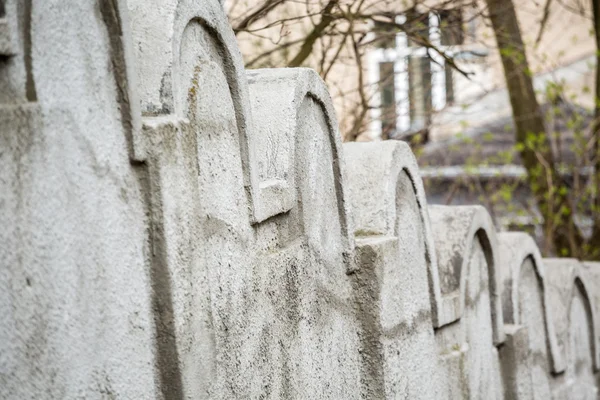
(176, 227)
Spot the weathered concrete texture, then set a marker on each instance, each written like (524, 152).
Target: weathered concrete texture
(466, 245)
(381, 177)
(75, 310)
(16, 82)
(575, 321)
(525, 297)
(461, 230)
(259, 309)
(395, 268)
(175, 227)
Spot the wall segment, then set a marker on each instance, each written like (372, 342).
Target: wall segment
(174, 226)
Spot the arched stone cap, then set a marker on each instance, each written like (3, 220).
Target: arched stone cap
(514, 248)
(276, 97)
(372, 175)
(566, 276)
(158, 28)
(455, 230)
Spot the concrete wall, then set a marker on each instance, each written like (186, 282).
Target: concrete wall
(173, 226)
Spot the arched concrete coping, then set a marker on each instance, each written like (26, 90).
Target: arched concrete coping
(276, 97)
(373, 170)
(514, 249)
(456, 229)
(571, 275)
(165, 22)
(157, 28)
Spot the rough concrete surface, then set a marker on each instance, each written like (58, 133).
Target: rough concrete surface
(176, 227)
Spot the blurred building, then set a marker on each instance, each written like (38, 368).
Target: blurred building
(419, 92)
(411, 89)
(459, 114)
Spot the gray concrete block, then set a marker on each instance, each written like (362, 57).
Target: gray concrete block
(381, 177)
(174, 226)
(575, 322)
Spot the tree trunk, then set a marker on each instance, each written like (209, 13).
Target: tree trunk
(532, 140)
(594, 241)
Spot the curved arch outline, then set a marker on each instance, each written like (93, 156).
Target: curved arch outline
(177, 15)
(516, 248)
(396, 157)
(301, 83)
(482, 229)
(590, 309)
(578, 279)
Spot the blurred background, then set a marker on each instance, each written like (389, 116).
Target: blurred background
(497, 98)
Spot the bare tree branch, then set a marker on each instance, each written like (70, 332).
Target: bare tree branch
(544, 21)
(266, 8)
(312, 37)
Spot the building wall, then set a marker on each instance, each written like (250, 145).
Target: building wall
(567, 38)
